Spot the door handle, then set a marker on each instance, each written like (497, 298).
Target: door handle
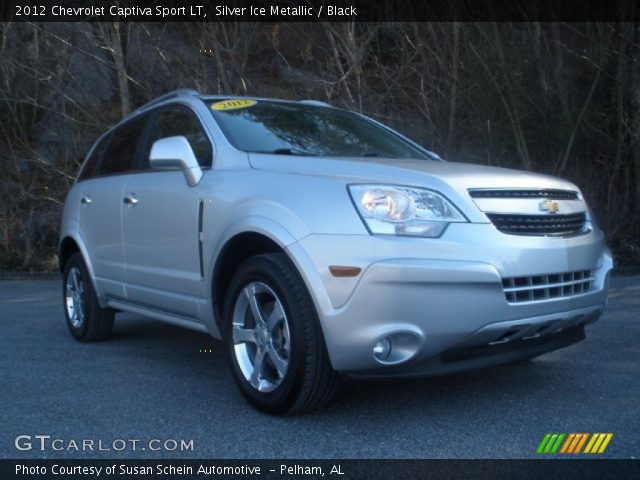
(130, 200)
(85, 200)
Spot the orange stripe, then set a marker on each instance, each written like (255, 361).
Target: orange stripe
(566, 444)
(574, 443)
(579, 446)
(605, 443)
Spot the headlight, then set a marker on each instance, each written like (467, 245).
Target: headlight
(393, 210)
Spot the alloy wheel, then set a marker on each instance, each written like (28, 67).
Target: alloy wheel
(74, 297)
(261, 337)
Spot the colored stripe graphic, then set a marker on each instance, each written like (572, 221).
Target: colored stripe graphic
(599, 440)
(593, 439)
(582, 441)
(551, 442)
(543, 443)
(556, 445)
(605, 443)
(567, 443)
(597, 443)
(574, 443)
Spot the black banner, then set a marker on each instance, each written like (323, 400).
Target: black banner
(318, 10)
(338, 469)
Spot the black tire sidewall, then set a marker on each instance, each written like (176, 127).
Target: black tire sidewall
(262, 269)
(77, 261)
(98, 321)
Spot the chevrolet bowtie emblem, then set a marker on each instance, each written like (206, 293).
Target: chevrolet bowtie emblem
(550, 206)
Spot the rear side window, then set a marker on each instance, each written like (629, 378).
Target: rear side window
(90, 168)
(121, 153)
(177, 120)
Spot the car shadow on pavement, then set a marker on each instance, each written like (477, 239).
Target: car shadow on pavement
(199, 356)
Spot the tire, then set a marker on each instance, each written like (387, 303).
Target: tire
(294, 374)
(87, 321)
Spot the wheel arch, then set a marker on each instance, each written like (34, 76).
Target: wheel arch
(237, 249)
(67, 247)
(271, 236)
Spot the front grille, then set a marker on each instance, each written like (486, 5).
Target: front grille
(539, 193)
(551, 225)
(543, 287)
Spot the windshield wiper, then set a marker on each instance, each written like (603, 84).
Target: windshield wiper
(288, 151)
(376, 154)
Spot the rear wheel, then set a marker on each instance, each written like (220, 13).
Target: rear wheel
(87, 321)
(273, 338)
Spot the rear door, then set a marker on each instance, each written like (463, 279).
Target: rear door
(162, 224)
(103, 180)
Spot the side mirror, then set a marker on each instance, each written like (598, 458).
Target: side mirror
(173, 153)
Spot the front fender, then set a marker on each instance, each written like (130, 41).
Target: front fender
(284, 237)
(253, 223)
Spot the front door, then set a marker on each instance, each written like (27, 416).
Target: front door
(162, 223)
(161, 238)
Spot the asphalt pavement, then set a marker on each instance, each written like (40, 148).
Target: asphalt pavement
(159, 385)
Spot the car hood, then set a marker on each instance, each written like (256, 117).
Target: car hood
(429, 173)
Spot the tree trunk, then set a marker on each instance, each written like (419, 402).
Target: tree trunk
(112, 36)
(453, 94)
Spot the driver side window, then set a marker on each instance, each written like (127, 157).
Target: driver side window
(178, 120)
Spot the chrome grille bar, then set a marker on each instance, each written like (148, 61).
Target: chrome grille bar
(530, 193)
(543, 287)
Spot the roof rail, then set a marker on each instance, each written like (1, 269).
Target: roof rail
(317, 103)
(181, 92)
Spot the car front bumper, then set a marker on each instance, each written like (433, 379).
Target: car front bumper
(441, 302)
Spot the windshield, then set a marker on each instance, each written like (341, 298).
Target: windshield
(285, 128)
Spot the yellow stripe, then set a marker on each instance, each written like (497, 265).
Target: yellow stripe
(605, 443)
(581, 443)
(594, 437)
(601, 438)
(567, 442)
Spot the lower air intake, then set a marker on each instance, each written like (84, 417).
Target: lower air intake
(543, 287)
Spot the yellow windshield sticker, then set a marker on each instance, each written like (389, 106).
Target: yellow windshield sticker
(233, 104)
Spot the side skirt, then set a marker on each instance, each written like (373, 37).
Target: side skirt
(167, 317)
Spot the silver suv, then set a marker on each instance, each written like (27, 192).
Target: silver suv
(318, 243)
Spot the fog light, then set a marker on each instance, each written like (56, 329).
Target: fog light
(382, 349)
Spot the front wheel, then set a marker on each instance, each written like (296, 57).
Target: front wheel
(273, 338)
(86, 319)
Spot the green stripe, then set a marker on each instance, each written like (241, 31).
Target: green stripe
(557, 445)
(543, 443)
(547, 449)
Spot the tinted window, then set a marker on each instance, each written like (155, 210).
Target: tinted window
(90, 168)
(290, 128)
(173, 121)
(121, 153)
